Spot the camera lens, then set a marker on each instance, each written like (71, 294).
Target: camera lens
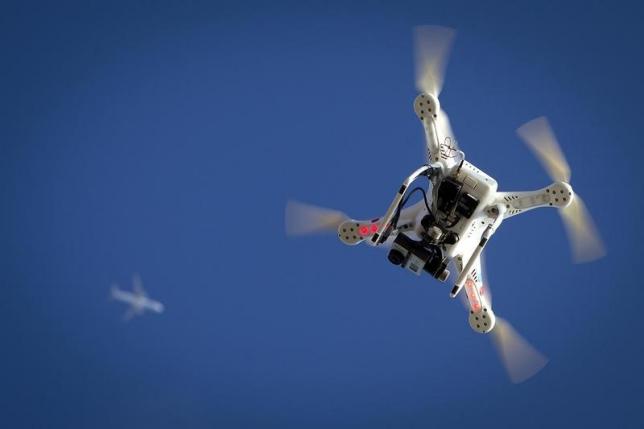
(396, 257)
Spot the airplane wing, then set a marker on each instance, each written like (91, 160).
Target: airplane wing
(130, 313)
(137, 285)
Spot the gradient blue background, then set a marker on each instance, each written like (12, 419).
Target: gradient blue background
(166, 138)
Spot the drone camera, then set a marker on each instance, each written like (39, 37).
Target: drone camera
(417, 256)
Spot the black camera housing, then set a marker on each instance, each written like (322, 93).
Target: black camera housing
(417, 256)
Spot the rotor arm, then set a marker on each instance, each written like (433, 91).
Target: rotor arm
(558, 195)
(352, 232)
(427, 108)
(497, 210)
(440, 143)
(479, 303)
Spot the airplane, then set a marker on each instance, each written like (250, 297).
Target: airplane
(460, 210)
(137, 299)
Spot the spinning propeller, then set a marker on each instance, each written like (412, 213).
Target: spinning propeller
(432, 46)
(519, 358)
(302, 219)
(585, 241)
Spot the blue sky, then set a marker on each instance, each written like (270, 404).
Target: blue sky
(165, 139)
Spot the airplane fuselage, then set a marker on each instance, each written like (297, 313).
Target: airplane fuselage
(140, 302)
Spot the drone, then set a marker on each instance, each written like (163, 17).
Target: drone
(445, 233)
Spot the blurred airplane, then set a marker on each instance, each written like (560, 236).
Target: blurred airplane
(137, 299)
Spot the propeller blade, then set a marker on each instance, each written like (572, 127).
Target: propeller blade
(432, 46)
(539, 137)
(585, 241)
(520, 359)
(302, 219)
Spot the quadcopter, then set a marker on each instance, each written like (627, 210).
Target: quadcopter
(445, 233)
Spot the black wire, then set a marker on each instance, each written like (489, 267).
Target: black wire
(418, 188)
(404, 201)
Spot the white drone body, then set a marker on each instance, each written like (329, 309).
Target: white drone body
(473, 231)
(455, 219)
